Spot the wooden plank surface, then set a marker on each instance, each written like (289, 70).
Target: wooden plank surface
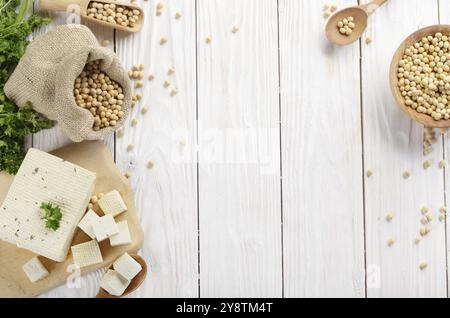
(393, 144)
(166, 195)
(239, 177)
(444, 18)
(321, 151)
(275, 99)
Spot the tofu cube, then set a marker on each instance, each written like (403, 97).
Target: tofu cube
(127, 266)
(86, 254)
(123, 237)
(35, 270)
(114, 283)
(112, 203)
(105, 228)
(87, 223)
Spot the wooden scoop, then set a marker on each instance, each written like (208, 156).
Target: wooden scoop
(361, 16)
(81, 6)
(135, 283)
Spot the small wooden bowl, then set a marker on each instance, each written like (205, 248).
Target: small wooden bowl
(135, 282)
(424, 119)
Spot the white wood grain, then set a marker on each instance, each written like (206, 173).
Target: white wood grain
(239, 197)
(166, 195)
(393, 144)
(444, 18)
(321, 151)
(321, 230)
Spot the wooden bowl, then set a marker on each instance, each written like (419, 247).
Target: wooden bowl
(135, 282)
(424, 119)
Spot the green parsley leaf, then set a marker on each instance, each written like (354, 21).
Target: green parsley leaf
(16, 123)
(52, 217)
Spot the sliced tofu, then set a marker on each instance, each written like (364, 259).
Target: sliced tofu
(127, 266)
(35, 270)
(123, 237)
(114, 283)
(86, 254)
(105, 227)
(112, 203)
(87, 223)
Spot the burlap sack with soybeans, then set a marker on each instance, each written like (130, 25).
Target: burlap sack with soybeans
(46, 74)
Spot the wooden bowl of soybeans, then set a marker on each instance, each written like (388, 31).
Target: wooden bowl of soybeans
(420, 78)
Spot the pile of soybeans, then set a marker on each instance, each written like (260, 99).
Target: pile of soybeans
(424, 76)
(103, 97)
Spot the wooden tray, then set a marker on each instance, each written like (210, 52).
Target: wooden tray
(95, 157)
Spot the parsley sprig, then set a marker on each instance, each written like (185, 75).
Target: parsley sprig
(15, 122)
(52, 216)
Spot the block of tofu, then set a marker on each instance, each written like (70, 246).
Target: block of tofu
(127, 266)
(123, 237)
(35, 270)
(114, 283)
(86, 254)
(105, 227)
(44, 178)
(87, 223)
(112, 203)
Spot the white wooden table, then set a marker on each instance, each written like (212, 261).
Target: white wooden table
(274, 201)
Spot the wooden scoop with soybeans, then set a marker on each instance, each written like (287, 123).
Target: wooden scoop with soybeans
(348, 25)
(112, 14)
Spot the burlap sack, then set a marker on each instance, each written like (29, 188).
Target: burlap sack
(46, 74)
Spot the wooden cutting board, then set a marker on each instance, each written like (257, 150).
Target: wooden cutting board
(95, 157)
